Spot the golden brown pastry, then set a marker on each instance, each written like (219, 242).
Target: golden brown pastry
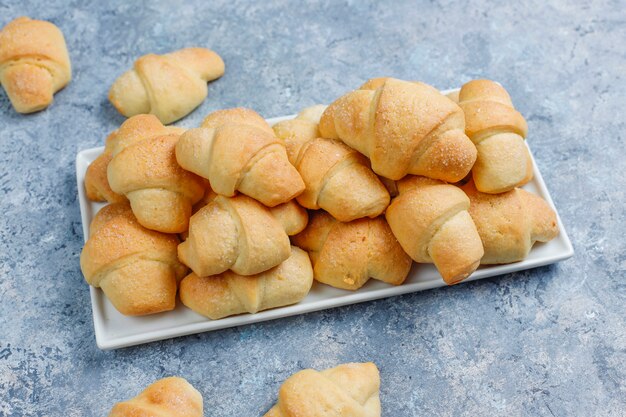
(240, 152)
(404, 128)
(137, 268)
(167, 397)
(510, 223)
(291, 216)
(133, 130)
(432, 223)
(236, 233)
(346, 255)
(229, 293)
(144, 169)
(498, 131)
(336, 177)
(348, 390)
(34, 63)
(169, 86)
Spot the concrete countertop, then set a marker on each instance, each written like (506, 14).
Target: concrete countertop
(545, 342)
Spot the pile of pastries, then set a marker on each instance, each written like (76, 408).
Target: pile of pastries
(238, 216)
(350, 389)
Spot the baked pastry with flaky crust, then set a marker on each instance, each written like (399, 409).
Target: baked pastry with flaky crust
(167, 397)
(137, 268)
(236, 233)
(510, 223)
(348, 390)
(337, 178)
(229, 293)
(34, 63)
(238, 151)
(347, 255)
(404, 128)
(433, 225)
(131, 131)
(144, 169)
(169, 86)
(498, 131)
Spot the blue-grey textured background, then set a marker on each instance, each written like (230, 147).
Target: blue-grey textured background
(546, 342)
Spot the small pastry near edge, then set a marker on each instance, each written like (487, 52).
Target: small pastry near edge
(510, 223)
(137, 268)
(348, 390)
(498, 131)
(167, 397)
(131, 131)
(34, 63)
(431, 221)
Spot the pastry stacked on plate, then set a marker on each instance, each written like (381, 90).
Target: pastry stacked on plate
(217, 200)
(390, 172)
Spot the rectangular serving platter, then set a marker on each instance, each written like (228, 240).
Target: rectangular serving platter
(114, 330)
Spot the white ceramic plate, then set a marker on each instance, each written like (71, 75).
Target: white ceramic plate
(113, 330)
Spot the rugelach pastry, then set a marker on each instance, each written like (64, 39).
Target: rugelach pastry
(347, 255)
(433, 225)
(337, 178)
(131, 131)
(34, 63)
(229, 293)
(498, 131)
(137, 268)
(167, 397)
(510, 223)
(348, 390)
(236, 233)
(169, 86)
(144, 169)
(238, 151)
(404, 128)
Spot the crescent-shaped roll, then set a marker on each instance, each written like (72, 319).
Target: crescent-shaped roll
(433, 225)
(347, 255)
(167, 397)
(498, 131)
(34, 63)
(137, 268)
(348, 390)
(133, 130)
(169, 86)
(404, 128)
(240, 153)
(510, 223)
(229, 293)
(337, 178)
(144, 169)
(292, 216)
(236, 233)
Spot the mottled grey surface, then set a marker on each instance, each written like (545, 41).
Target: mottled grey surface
(546, 342)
